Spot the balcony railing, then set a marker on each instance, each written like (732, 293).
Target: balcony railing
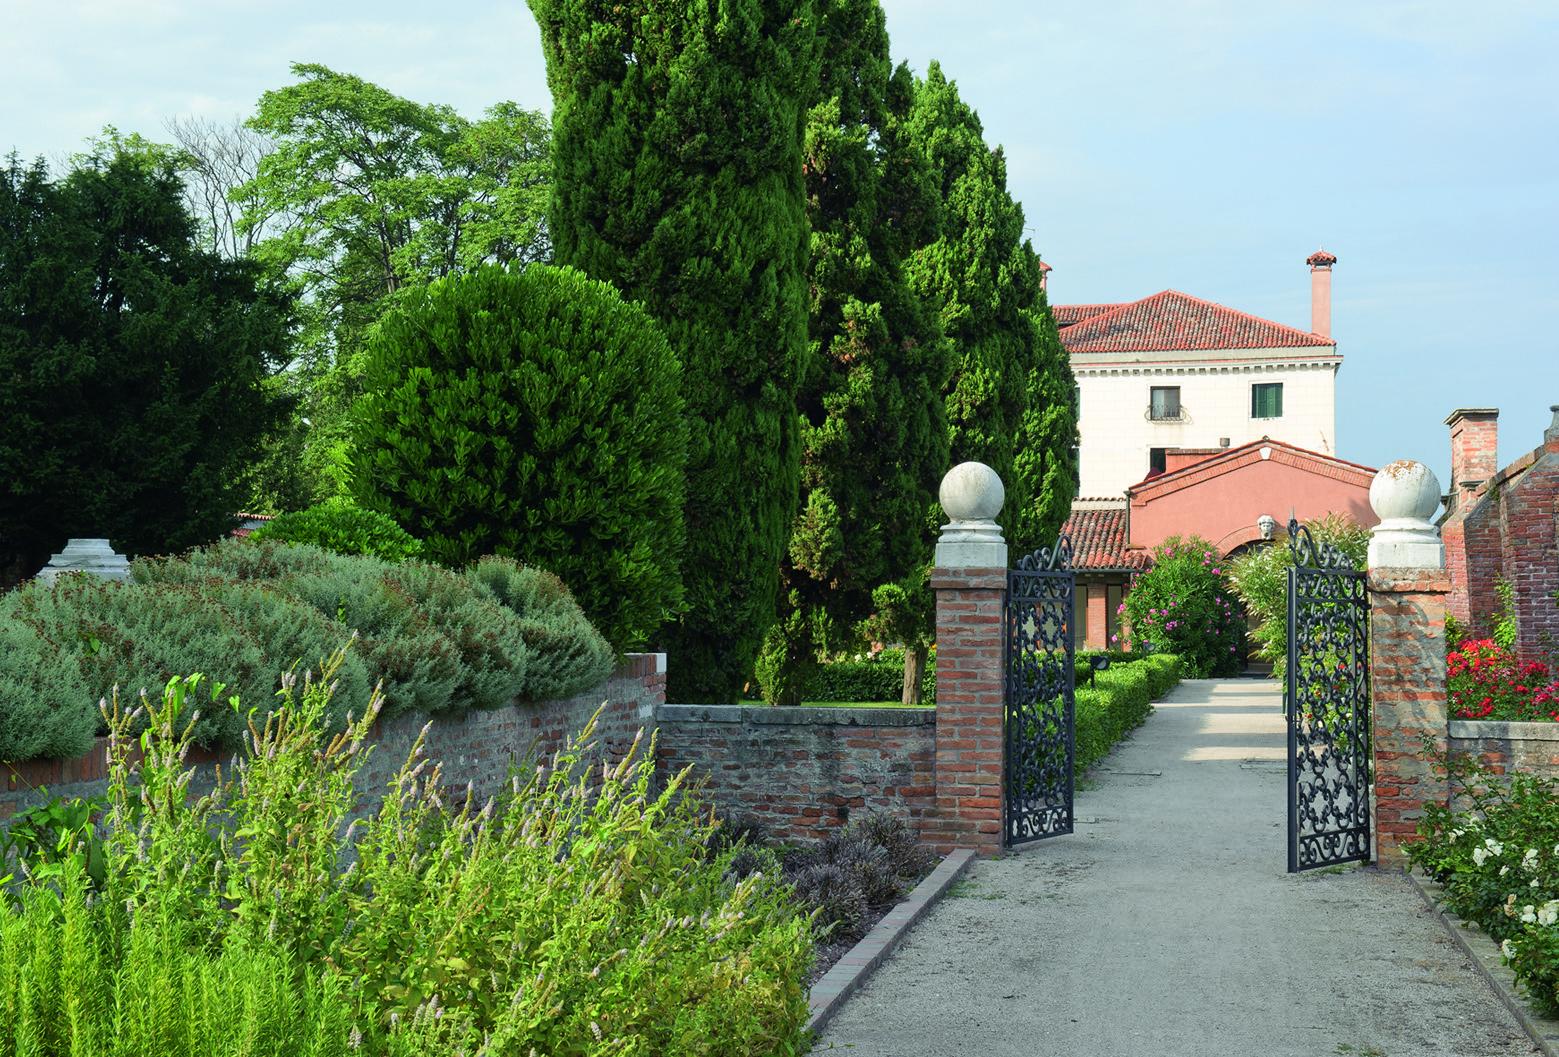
(1176, 413)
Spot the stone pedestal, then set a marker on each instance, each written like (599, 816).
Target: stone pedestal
(970, 581)
(1407, 677)
(1408, 588)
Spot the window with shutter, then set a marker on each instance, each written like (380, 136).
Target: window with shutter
(1266, 400)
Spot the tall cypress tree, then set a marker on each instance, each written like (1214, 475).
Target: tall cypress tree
(874, 435)
(677, 153)
(1010, 400)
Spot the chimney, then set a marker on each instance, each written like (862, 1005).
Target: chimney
(1320, 263)
(1474, 450)
(1044, 275)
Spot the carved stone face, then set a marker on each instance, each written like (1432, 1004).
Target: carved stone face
(1268, 525)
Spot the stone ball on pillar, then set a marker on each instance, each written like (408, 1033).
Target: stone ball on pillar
(972, 491)
(972, 495)
(1405, 495)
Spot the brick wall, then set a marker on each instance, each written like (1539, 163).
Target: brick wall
(1507, 748)
(801, 772)
(970, 697)
(1407, 682)
(1504, 527)
(477, 747)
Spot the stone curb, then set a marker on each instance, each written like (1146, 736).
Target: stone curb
(851, 971)
(1486, 957)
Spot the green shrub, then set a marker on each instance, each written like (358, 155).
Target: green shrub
(1499, 863)
(66, 646)
(1183, 605)
(537, 415)
(1260, 578)
(568, 654)
(547, 921)
(1118, 702)
(342, 526)
(875, 678)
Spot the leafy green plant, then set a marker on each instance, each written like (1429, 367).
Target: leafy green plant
(1498, 860)
(42, 842)
(340, 525)
(536, 415)
(1506, 628)
(580, 908)
(1260, 578)
(1183, 605)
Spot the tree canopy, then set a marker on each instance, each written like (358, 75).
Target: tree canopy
(874, 430)
(133, 363)
(677, 158)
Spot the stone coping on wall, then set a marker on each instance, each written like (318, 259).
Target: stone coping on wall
(1504, 730)
(802, 716)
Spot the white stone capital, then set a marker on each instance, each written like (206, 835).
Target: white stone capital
(972, 495)
(1405, 495)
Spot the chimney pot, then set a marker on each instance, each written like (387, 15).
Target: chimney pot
(1474, 450)
(1320, 263)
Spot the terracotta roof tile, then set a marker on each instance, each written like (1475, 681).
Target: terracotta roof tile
(1173, 321)
(1067, 315)
(1099, 540)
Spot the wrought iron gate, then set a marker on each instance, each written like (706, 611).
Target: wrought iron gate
(1328, 704)
(1038, 657)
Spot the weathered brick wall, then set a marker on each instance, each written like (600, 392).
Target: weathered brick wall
(477, 747)
(970, 695)
(801, 772)
(1508, 748)
(1505, 527)
(1407, 681)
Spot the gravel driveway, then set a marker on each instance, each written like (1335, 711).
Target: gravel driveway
(1167, 925)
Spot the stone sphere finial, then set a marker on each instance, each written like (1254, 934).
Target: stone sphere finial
(1405, 490)
(972, 492)
(1405, 494)
(972, 495)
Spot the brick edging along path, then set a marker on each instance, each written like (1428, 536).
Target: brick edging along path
(851, 971)
(1485, 957)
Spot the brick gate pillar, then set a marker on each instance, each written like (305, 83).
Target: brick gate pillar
(1409, 587)
(970, 581)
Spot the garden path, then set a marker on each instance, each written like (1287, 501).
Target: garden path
(1167, 925)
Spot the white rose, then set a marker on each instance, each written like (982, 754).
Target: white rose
(1529, 914)
(1494, 846)
(1548, 914)
(1508, 949)
(1480, 856)
(1529, 860)
(1503, 870)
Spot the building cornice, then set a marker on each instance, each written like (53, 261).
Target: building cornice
(1222, 367)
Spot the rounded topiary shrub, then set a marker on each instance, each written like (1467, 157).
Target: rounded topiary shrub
(1186, 605)
(539, 416)
(342, 526)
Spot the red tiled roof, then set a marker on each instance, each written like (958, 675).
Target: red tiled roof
(1066, 315)
(1172, 321)
(1099, 540)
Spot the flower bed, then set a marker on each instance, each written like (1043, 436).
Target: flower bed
(1498, 861)
(1485, 681)
(589, 909)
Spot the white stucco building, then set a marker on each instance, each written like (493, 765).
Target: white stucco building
(1172, 371)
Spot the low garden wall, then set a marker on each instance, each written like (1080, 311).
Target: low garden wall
(1506, 748)
(478, 746)
(801, 772)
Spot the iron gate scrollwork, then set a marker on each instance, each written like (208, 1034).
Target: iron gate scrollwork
(1038, 658)
(1327, 700)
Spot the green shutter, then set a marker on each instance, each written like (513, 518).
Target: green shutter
(1266, 400)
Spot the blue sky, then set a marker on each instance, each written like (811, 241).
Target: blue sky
(1207, 146)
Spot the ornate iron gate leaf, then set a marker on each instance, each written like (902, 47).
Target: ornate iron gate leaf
(1038, 656)
(1328, 704)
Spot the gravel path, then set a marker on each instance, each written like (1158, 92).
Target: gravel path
(1167, 925)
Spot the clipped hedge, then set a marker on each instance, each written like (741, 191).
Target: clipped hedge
(245, 613)
(342, 526)
(876, 678)
(1119, 701)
